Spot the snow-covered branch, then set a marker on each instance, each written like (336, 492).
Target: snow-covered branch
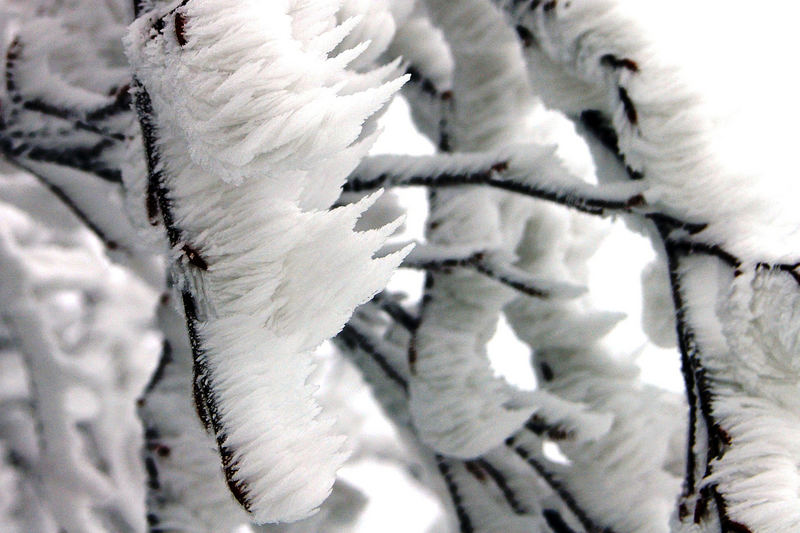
(235, 198)
(532, 171)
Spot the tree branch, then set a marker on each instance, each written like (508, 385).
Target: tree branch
(562, 491)
(432, 258)
(572, 193)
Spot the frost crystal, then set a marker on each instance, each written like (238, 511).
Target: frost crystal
(190, 209)
(254, 128)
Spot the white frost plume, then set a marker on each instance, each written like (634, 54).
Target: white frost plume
(627, 475)
(375, 28)
(459, 407)
(597, 56)
(757, 400)
(256, 133)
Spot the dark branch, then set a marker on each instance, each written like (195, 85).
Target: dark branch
(492, 272)
(396, 311)
(157, 194)
(163, 362)
(354, 339)
(690, 247)
(78, 122)
(464, 520)
(83, 158)
(488, 177)
(557, 487)
(425, 84)
(600, 127)
(502, 483)
(685, 345)
(68, 202)
(556, 521)
(207, 406)
(542, 428)
(140, 7)
(478, 262)
(122, 103)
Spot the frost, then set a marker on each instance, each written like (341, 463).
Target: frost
(251, 151)
(187, 217)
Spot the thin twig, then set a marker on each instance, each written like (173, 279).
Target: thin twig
(464, 520)
(562, 491)
(353, 338)
(478, 262)
(396, 311)
(502, 483)
(69, 203)
(488, 177)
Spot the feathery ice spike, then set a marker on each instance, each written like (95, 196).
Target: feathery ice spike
(254, 132)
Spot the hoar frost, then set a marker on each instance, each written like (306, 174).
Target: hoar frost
(256, 129)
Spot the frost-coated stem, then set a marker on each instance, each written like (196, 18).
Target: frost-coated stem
(438, 259)
(75, 152)
(246, 208)
(384, 369)
(565, 495)
(185, 487)
(534, 172)
(607, 75)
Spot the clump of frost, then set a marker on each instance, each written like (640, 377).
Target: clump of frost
(257, 130)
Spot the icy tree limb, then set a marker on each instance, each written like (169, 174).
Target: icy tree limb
(711, 215)
(185, 486)
(430, 87)
(251, 282)
(532, 171)
(73, 145)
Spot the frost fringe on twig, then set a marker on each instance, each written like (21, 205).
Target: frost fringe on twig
(243, 184)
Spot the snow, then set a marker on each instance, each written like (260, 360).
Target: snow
(237, 128)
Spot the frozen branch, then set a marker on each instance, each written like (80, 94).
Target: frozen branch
(185, 487)
(206, 168)
(434, 258)
(76, 151)
(530, 171)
